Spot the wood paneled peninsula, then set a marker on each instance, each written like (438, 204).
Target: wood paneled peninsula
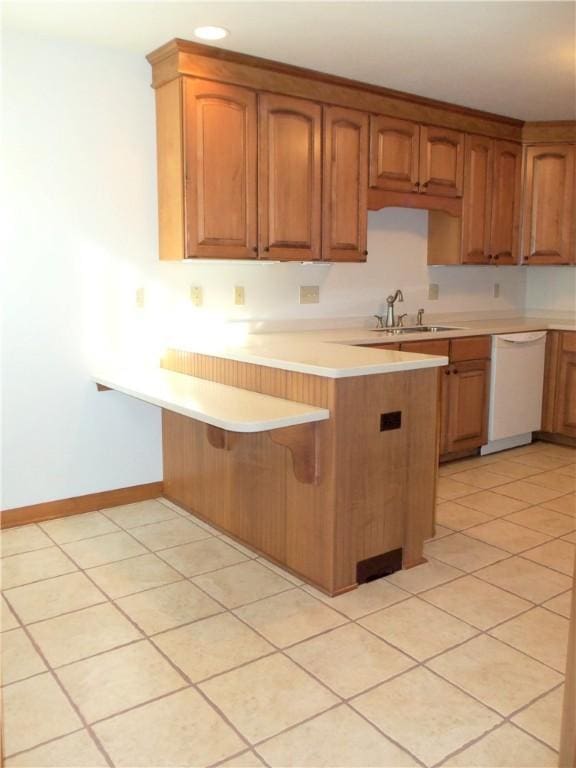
(312, 448)
(320, 456)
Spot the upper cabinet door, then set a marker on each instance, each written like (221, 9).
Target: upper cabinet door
(441, 161)
(506, 187)
(477, 206)
(394, 154)
(548, 205)
(345, 179)
(289, 178)
(220, 150)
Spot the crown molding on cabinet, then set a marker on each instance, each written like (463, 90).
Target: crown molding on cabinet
(562, 131)
(181, 57)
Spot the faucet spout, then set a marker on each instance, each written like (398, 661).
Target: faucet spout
(390, 301)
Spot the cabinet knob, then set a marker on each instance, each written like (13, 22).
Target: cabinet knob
(267, 248)
(495, 257)
(447, 372)
(255, 249)
(364, 253)
(455, 370)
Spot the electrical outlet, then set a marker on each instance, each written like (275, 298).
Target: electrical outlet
(309, 294)
(496, 291)
(140, 298)
(196, 295)
(239, 295)
(433, 291)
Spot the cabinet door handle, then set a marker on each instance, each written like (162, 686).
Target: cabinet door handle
(364, 253)
(447, 372)
(255, 248)
(455, 370)
(266, 248)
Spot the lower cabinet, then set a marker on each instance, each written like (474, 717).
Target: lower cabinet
(465, 406)
(559, 406)
(464, 390)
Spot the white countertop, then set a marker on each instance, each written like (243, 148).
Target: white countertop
(230, 408)
(334, 353)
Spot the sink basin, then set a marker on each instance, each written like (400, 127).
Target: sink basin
(417, 329)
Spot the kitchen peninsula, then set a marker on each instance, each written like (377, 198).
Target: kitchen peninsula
(320, 456)
(316, 448)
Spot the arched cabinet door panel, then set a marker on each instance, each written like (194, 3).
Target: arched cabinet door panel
(289, 178)
(477, 207)
(548, 216)
(221, 181)
(345, 185)
(506, 185)
(394, 154)
(441, 161)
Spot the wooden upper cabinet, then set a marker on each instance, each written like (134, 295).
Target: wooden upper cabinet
(289, 178)
(345, 185)
(477, 203)
(548, 213)
(220, 157)
(394, 154)
(506, 190)
(441, 161)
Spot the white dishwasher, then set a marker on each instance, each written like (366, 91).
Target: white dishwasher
(516, 384)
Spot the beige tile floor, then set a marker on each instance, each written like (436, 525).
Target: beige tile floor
(139, 636)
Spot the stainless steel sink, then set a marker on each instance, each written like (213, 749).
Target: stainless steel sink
(417, 329)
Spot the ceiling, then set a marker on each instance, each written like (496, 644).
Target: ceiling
(515, 58)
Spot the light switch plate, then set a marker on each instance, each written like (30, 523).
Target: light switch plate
(309, 294)
(433, 291)
(239, 295)
(196, 295)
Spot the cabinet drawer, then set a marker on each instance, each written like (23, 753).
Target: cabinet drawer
(568, 341)
(470, 348)
(435, 347)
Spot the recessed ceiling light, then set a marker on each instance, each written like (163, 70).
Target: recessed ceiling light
(211, 33)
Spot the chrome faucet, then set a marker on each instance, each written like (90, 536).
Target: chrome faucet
(420, 316)
(390, 301)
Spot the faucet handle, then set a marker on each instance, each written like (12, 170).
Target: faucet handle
(380, 321)
(400, 320)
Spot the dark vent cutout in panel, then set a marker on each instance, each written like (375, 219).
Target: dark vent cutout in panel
(378, 566)
(391, 420)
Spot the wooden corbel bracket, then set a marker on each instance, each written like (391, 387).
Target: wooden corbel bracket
(221, 438)
(302, 442)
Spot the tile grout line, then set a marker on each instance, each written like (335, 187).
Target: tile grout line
(71, 702)
(176, 669)
(348, 620)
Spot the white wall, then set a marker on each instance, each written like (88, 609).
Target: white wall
(79, 128)
(551, 289)
(79, 171)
